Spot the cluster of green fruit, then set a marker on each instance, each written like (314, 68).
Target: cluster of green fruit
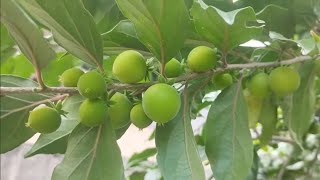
(282, 81)
(160, 102)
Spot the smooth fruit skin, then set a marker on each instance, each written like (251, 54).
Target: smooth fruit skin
(119, 111)
(92, 85)
(129, 67)
(222, 81)
(284, 81)
(201, 59)
(172, 68)
(44, 119)
(138, 117)
(93, 112)
(161, 102)
(259, 85)
(70, 77)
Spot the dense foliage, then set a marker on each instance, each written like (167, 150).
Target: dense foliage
(81, 72)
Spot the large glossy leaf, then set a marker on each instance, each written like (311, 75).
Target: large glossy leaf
(26, 35)
(122, 37)
(228, 142)
(56, 142)
(15, 111)
(277, 19)
(105, 13)
(6, 44)
(299, 107)
(53, 143)
(92, 154)
(307, 45)
(72, 26)
(225, 30)
(177, 156)
(160, 25)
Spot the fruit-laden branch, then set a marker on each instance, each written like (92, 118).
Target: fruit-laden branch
(121, 86)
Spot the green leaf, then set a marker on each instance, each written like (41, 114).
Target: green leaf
(268, 119)
(120, 132)
(92, 154)
(53, 143)
(26, 34)
(15, 111)
(105, 13)
(307, 45)
(17, 65)
(178, 157)
(122, 37)
(6, 43)
(228, 142)
(142, 156)
(277, 19)
(52, 72)
(72, 26)
(57, 141)
(160, 25)
(299, 107)
(255, 165)
(225, 30)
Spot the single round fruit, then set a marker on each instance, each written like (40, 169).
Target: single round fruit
(93, 112)
(259, 85)
(161, 102)
(222, 81)
(201, 59)
(44, 119)
(139, 118)
(129, 67)
(119, 111)
(172, 68)
(70, 77)
(92, 85)
(284, 81)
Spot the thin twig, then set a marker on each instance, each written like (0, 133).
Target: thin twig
(121, 86)
(53, 99)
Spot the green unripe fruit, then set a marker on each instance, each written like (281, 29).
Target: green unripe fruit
(284, 81)
(70, 77)
(201, 59)
(44, 119)
(172, 68)
(259, 85)
(119, 111)
(161, 102)
(92, 85)
(139, 118)
(93, 112)
(222, 81)
(129, 67)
